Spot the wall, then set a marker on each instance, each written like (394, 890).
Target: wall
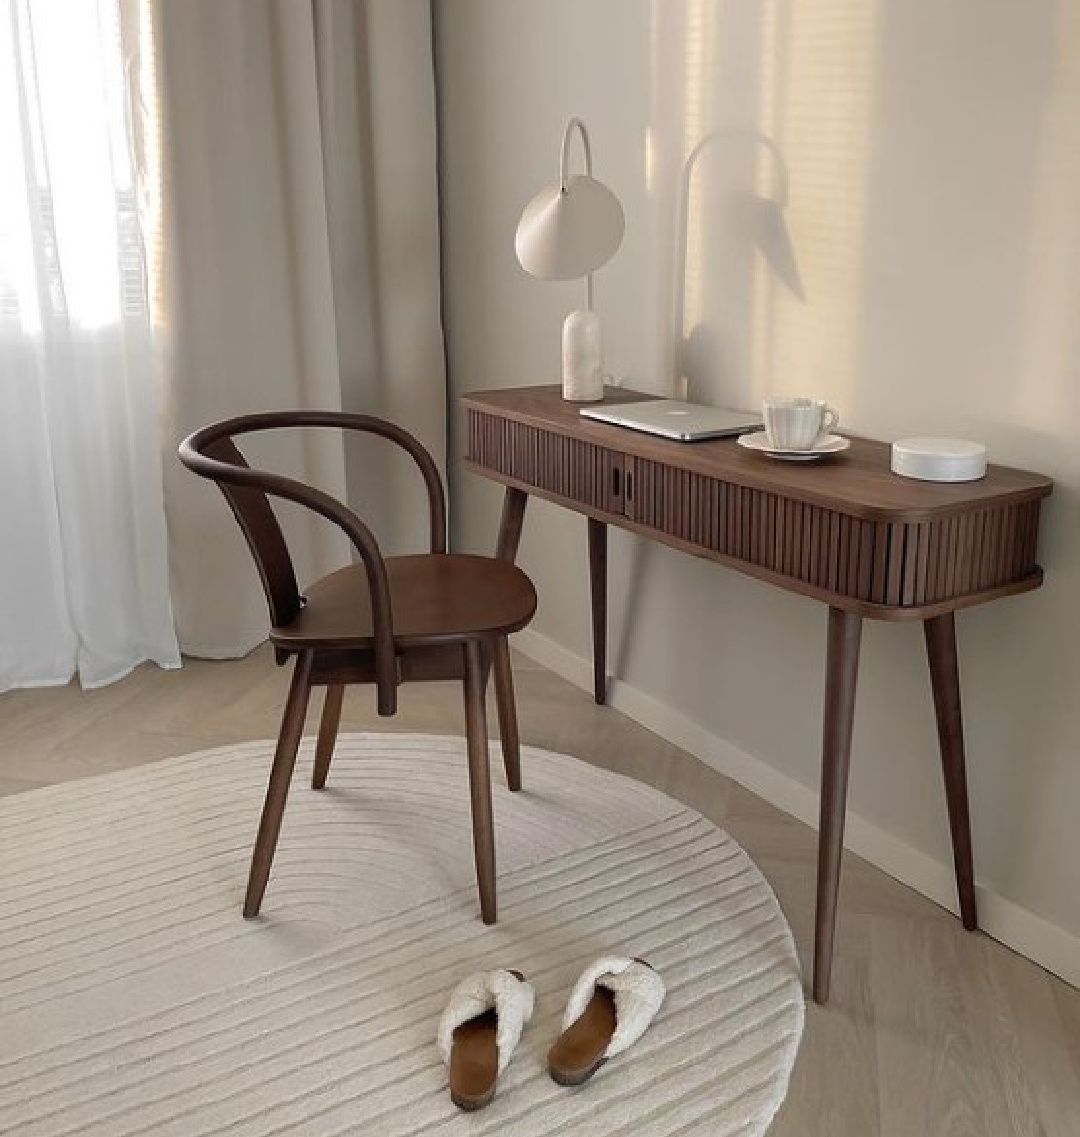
(935, 219)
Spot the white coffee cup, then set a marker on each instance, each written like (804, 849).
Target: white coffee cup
(796, 424)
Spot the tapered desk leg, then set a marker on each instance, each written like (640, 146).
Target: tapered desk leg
(598, 587)
(841, 670)
(513, 515)
(506, 549)
(509, 736)
(940, 634)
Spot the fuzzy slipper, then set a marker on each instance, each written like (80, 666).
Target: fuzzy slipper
(479, 1030)
(609, 1009)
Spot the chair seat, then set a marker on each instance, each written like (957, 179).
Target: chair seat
(435, 598)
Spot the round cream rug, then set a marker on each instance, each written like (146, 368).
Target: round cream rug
(136, 1001)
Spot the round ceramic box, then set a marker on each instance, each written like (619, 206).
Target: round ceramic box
(939, 459)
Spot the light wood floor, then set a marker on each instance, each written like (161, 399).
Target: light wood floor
(931, 1031)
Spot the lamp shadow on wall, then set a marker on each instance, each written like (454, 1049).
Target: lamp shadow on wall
(758, 222)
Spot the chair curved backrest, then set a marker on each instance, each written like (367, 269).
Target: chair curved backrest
(212, 453)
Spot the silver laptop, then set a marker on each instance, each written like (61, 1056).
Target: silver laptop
(687, 422)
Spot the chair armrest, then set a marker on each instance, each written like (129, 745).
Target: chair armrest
(234, 470)
(369, 424)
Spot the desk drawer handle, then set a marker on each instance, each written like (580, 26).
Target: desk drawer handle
(616, 482)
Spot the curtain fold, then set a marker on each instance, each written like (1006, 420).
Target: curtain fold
(83, 580)
(300, 268)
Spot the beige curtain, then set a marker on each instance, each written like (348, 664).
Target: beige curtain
(299, 267)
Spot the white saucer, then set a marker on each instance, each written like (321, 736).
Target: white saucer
(825, 445)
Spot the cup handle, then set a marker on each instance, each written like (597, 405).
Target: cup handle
(830, 420)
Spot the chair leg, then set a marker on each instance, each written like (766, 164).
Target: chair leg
(504, 702)
(328, 729)
(292, 729)
(480, 779)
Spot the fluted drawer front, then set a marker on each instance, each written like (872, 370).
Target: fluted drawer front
(567, 467)
(850, 534)
(899, 564)
(892, 564)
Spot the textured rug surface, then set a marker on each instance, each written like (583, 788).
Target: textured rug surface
(134, 1000)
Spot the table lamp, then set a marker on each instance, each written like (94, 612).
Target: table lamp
(569, 230)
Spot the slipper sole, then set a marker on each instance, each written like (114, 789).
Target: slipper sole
(474, 1060)
(580, 1050)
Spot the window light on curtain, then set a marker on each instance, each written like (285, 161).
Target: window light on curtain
(83, 564)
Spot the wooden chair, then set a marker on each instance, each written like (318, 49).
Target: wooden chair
(382, 620)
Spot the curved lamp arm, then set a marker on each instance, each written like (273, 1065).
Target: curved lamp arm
(574, 123)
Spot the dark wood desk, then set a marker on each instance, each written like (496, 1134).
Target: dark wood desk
(845, 531)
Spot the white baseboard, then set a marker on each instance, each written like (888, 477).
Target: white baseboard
(1038, 939)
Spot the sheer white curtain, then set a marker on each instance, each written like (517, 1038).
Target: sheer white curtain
(83, 567)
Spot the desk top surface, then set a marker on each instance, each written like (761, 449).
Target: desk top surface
(858, 481)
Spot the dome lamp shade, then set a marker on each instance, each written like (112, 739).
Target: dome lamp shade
(568, 231)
